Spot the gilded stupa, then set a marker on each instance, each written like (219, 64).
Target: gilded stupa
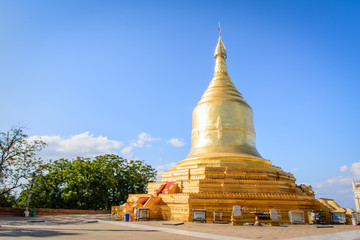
(223, 167)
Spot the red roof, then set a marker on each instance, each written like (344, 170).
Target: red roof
(167, 186)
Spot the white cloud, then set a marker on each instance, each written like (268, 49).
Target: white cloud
(339, 180)
(165, 167)
(83, 144)
(139, 143)
(127, 152)
(338, 188)
(355, 169)
(344, 168)
(176, 142)
(334, 182)
(161, 168)
(142, 138)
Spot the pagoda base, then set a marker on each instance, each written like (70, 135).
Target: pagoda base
(179, 206)
(218, 189)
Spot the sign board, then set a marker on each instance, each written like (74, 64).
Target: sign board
(296, 216)
(338, 217)
(142, 213)
(199, 215)
(236, 211)
(273, 214)
(217, 214)
(312, 216)
(355, 215)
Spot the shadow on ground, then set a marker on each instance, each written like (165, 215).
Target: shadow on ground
(47, 220)
(16, 232)
(43, 233)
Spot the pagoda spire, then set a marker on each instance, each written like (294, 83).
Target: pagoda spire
(220, 47)
(220, 56)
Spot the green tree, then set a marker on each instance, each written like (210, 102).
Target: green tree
(7, 200)
(18, 160)
(85, 183)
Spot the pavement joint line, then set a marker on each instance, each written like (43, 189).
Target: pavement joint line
(170, 230)
(347, 235)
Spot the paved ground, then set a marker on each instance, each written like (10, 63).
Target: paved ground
(101, 227)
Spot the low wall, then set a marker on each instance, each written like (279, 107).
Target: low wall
(46, 211)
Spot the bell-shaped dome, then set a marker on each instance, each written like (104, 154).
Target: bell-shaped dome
(222, 120)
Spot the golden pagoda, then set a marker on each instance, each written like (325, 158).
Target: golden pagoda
(223, 168)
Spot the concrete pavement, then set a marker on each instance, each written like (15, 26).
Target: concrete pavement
(101, 227)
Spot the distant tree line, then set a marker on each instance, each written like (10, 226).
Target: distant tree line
(81, 183)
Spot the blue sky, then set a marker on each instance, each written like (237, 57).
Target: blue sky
(94, 77)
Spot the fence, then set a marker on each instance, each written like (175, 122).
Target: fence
(47, 211)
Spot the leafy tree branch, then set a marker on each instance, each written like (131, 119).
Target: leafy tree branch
(18, 159)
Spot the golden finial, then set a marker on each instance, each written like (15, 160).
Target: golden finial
(219, 28)
(220, 48)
